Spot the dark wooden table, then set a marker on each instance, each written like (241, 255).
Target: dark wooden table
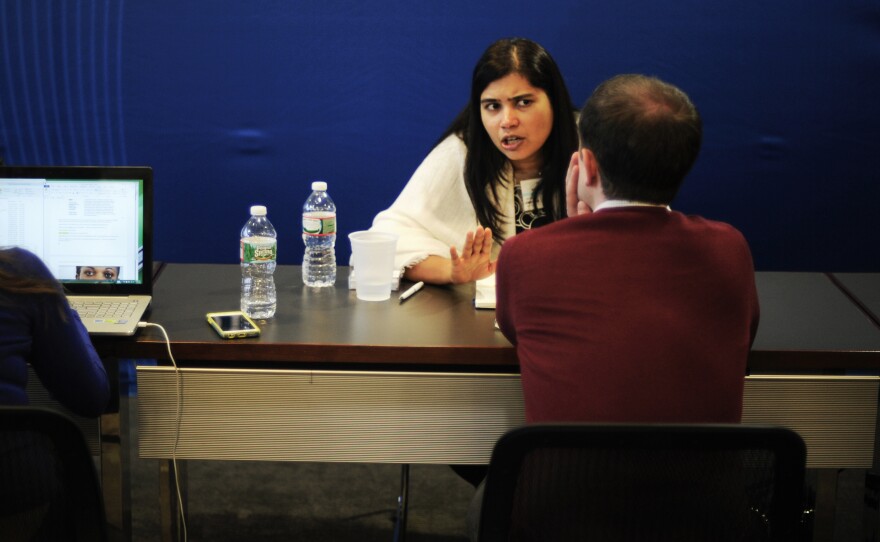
(431, 380)
(807, 324)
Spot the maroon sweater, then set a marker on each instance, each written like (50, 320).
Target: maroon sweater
(633, 314)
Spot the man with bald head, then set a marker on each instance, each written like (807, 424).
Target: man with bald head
(629, 311)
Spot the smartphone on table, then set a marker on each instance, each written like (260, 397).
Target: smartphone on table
(233, 325)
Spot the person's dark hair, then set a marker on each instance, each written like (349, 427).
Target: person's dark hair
(16, 281)
(645, 134)
(485, 166)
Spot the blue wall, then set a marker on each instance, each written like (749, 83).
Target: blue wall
(238, 102)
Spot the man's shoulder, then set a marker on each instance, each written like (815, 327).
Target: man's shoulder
(611, 220)
(541, 242)
(710, 227)
(619, 227)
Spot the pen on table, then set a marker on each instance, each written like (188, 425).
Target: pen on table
(412, 291)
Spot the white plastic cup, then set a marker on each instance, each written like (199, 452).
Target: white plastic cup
(373, 259)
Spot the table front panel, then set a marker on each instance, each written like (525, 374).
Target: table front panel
(370, 417)
(443, 418)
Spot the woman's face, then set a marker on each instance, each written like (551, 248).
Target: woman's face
(518, 118)
(98, 273)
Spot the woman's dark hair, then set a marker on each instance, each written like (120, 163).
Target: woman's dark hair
(485, 166)
(14, 280)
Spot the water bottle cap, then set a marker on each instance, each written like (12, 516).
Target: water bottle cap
(319, 185)
(258, 210)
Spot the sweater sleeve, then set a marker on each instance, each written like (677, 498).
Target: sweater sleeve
(434, 210)
(67, 363)
(63, 356)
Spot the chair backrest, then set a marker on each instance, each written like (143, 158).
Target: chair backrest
(644, 482)
(49, 489)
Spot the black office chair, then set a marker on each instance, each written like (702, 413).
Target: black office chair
(644, 482)
(48, 486)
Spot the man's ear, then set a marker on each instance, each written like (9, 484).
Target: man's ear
(588, 168)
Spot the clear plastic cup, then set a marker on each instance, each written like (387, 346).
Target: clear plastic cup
(373, 260)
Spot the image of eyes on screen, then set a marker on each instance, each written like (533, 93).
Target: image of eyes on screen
(97, 272)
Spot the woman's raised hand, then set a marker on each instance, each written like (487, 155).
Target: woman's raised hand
(474, 262)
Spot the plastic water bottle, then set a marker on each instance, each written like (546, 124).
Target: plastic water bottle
(319, 236)
(258, 251)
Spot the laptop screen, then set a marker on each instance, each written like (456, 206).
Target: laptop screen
(92, 226)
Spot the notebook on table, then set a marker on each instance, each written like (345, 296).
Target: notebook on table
(484, 294)
(92, 226)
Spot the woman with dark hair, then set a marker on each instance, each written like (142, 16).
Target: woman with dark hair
(37, 326)
(498, 169)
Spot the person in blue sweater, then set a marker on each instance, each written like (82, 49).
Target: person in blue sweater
(38, 327)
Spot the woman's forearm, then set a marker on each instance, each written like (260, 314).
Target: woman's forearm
(433, 270)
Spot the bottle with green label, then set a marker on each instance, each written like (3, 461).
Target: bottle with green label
(258, 252)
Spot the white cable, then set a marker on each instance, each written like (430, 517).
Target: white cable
(178, 378)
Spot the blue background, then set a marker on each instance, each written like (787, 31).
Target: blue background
(237, 102)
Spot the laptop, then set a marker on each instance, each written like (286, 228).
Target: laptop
(92, 226)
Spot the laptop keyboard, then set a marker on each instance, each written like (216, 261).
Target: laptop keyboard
(90, 308)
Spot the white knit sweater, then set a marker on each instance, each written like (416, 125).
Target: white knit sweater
(434, 211)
